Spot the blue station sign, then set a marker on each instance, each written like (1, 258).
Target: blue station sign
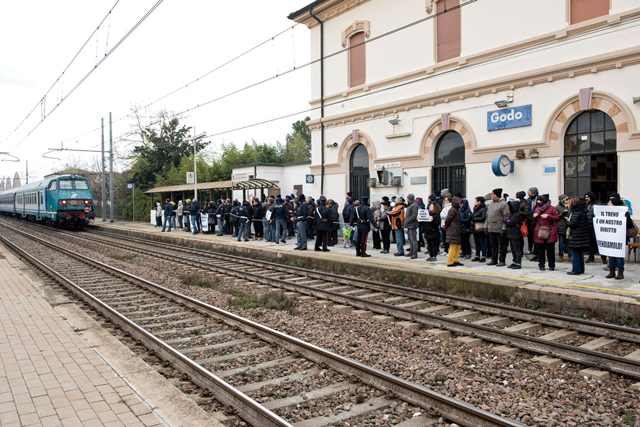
(507, 118)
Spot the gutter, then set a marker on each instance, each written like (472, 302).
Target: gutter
(321, 96)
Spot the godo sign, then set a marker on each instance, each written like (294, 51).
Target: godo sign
(507, 118)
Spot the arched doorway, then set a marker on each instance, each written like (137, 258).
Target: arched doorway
(359, 172)
(449, 170)
(590, 158)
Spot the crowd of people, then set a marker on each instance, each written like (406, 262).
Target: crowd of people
(481, 230)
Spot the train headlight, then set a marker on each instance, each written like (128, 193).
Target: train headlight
(86, 209)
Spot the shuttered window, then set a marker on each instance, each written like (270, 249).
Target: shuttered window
(448, 30)
(583, 10)
(357, 60)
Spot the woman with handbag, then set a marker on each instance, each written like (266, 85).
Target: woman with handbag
(433, 229)
(478, 219)
(384, 224)
(577, 234)
(545, 233)
(632, 231)
(377, 211)
(514, 233)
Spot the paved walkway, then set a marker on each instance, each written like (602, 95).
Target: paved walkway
(592, 280)
(49, 375)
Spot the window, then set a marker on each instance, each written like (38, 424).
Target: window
(81, 185)
(583, 10)
(448, 30)
(66, 184)
(449, 170)
(359, 173)
(53, 185)
(357, 60)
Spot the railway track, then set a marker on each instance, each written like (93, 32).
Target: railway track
(594, 344)
(213, 348)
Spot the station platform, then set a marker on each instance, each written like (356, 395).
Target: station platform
(58, 367)
(588, 292)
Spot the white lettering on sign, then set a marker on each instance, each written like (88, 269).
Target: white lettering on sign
(513, 115)
(387, 165)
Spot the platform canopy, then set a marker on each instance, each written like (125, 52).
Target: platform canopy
(252, 184)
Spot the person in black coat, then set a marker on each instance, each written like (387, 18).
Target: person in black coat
(222, 223)
(433, 228)
(578, 237)
(323, 225)
(514, 234)
(195, 216)
(168, 210)
(591, 201)
(478, 220)
(258, 216)
(300, 217)
(362, 219)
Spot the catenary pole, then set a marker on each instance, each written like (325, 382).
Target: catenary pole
(111, 169)
(104, 182)
(195, 170)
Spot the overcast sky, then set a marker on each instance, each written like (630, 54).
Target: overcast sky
(179, 42)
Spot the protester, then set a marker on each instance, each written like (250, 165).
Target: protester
(446, 205)
(375, 235)
(590, 199)
(618, 262)
(195, 216)
(397, 225)
(465, 220)
(545, 232)
(453, 229)
(514, 234)
(561, 225)
(384, 225)
(158, 215)
(433, 228)
(478, 220)
(258, 217)
(168, 210)
(531, 202)
(179, 214)
(497, 211)
(577, 233)
(411, 224)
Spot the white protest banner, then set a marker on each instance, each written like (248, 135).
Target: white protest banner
(610, 225)
(267, 215)
(204, 220)
(423, 215)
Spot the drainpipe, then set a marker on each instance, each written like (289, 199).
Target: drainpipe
(321, 97)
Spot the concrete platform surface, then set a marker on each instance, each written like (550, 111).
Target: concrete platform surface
(52, 374)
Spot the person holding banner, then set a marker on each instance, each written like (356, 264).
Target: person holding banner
(433, 228)
(630, 230)
(577, 233)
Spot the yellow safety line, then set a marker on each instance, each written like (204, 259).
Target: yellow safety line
(434, 267)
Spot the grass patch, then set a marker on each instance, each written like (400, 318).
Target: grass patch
(120, 257)
(200, 281)
(628, 419)
(271, 301)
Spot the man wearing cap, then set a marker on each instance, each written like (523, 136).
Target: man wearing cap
(362, 219)
(411, 224)
(562, 225)
(323, 221)
(302, 212)
(497, 211)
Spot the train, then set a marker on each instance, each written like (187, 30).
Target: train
(64, 200)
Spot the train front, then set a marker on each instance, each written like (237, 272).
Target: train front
(75, 202)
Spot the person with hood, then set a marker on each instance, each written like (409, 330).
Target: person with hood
(194, 210)
(301, 216)
(245, 215)
(220, 217)
(453, 228)
(411, 224)
(618, 262)
(258, 217)
(396, 214)
(514, 234)
(168, 210)
(465, 220)
(158, 215)
(377, 211)
(532, 194)
(545, 232)
(281, 215)
(590, 198)
(478, 220)
(323, 221)
(446, 205)
(561, 225)
(497, 211)
(433, 228)
(362, 219)
(384, 225)
(577, 233)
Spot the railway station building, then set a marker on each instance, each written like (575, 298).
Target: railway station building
(478, 94)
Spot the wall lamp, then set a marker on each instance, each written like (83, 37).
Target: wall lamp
(636, 99)
(395, 120)
(520, 154)
(504, 103)
(533, 153)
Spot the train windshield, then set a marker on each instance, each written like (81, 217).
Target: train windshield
(66, 184)
(81, 185)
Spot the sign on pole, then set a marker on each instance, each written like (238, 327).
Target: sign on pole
(610, 225)
(133, 193)
(238, 177)
(191, 177)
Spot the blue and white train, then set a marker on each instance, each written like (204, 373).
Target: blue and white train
(62, 200)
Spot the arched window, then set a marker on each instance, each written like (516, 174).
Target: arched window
(359, 172)
(449, 170)
(448, 30)
(357, 60)
(583, 10)
(590, 157)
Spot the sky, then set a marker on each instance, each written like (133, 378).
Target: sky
(179, 42)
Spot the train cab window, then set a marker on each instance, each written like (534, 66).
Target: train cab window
(66, 184)
(81, 185)
(53, 185)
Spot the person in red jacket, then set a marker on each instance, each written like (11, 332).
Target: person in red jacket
(545, 233)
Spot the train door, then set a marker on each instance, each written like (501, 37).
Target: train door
(40, 203)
